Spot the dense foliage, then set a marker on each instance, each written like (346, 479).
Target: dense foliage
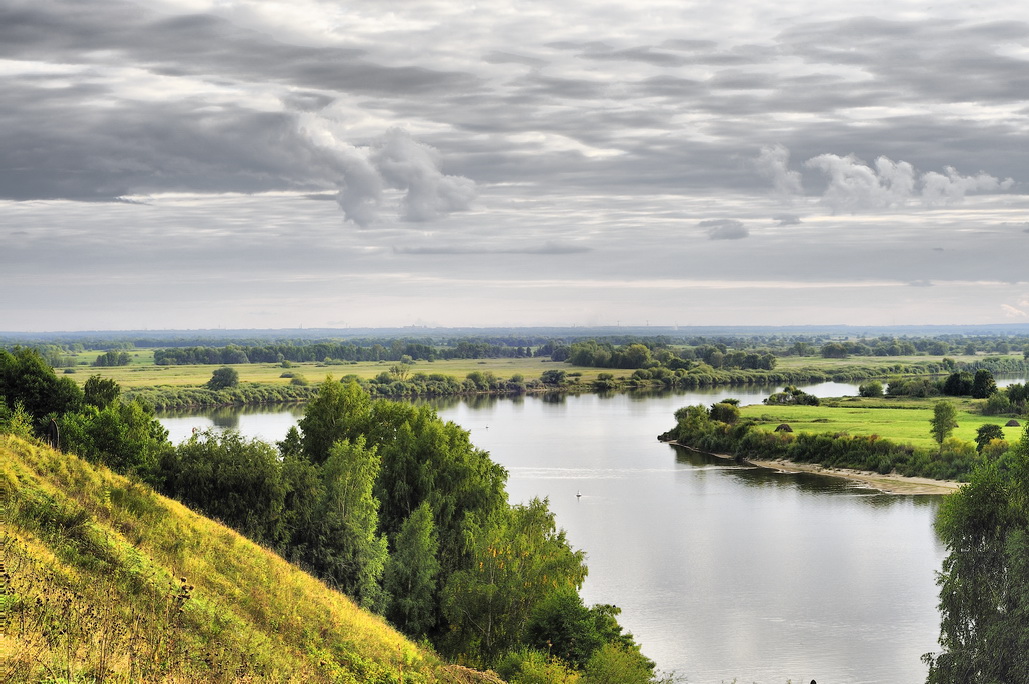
(381, 499)
(984, 586)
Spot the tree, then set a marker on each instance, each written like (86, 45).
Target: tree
(233, 479)
(725, 412)
(872, 388)
(984, 585)
(517, 560)
(126, 437)
(223, 378)
(338, 412)
(351, 553)
(958, 384)
(943, 422)
(412, 574)
(834, 350)
(100, 392)
(985, 433)
(27, 379)
(983, 385)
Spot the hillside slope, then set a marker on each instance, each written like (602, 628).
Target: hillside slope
(105, 580)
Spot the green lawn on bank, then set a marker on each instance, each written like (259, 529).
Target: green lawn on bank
(907, 423)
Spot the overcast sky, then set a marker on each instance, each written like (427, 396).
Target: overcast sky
(269, 164)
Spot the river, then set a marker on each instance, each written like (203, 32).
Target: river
(722, 572)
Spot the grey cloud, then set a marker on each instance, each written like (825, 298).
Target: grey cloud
(855, 186)
(787, 219)
(941, 188)
(724, 229)
(499, 57)
(547, 248)
(398, 161)
(414, 167)
(937, 61)
(124, 33)
(307, 101)
(921, 283)
(774, 163)
(643, 54)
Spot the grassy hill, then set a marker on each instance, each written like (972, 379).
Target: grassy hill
(105, 581)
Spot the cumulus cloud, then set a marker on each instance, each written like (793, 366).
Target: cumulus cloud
(1012, 312)
(941, 188)
(394, 161)
(774, 163)
(409, 165)
(725, 229)
(856, 186)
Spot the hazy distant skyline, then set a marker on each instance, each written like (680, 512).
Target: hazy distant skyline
(226, 164)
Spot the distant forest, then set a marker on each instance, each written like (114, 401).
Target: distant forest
(630, 351)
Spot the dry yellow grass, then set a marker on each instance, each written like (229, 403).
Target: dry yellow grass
(104, 580)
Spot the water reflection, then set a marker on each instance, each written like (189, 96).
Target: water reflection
(804, 482)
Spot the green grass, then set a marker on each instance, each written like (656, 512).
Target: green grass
(904, 421)
(104, 580)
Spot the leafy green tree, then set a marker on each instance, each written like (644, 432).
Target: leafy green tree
(517, 560)
(351, 554)
(100, 392)
(943, 422)
(340, 411)
(984, 585)
(958, 384)
(553, 376)
(233, 479)
(725, 412)
(834, 350)
(617, 664)
(427, 460)
(27, 379)
(983, 385)
(872, 389)
(223, 378)
(563, 626)
(126, 437)
(411, 576)
(985, 433)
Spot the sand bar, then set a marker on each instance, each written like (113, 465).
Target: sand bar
(890, 483)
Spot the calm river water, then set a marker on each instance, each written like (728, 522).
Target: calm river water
(722, 572)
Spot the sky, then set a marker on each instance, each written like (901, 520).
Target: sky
(188, 164)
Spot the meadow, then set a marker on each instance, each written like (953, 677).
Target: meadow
(142, 372)
(903, 420)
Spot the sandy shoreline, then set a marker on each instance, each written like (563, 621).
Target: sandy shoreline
(890, 484)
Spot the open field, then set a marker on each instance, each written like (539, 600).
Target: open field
(143, 373)
(907, 423)
(793, 362)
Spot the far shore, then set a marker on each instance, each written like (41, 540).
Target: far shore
(891, 483)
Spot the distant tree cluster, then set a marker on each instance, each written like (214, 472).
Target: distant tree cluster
(113, 358)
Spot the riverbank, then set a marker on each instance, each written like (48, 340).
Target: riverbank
(890, 483)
